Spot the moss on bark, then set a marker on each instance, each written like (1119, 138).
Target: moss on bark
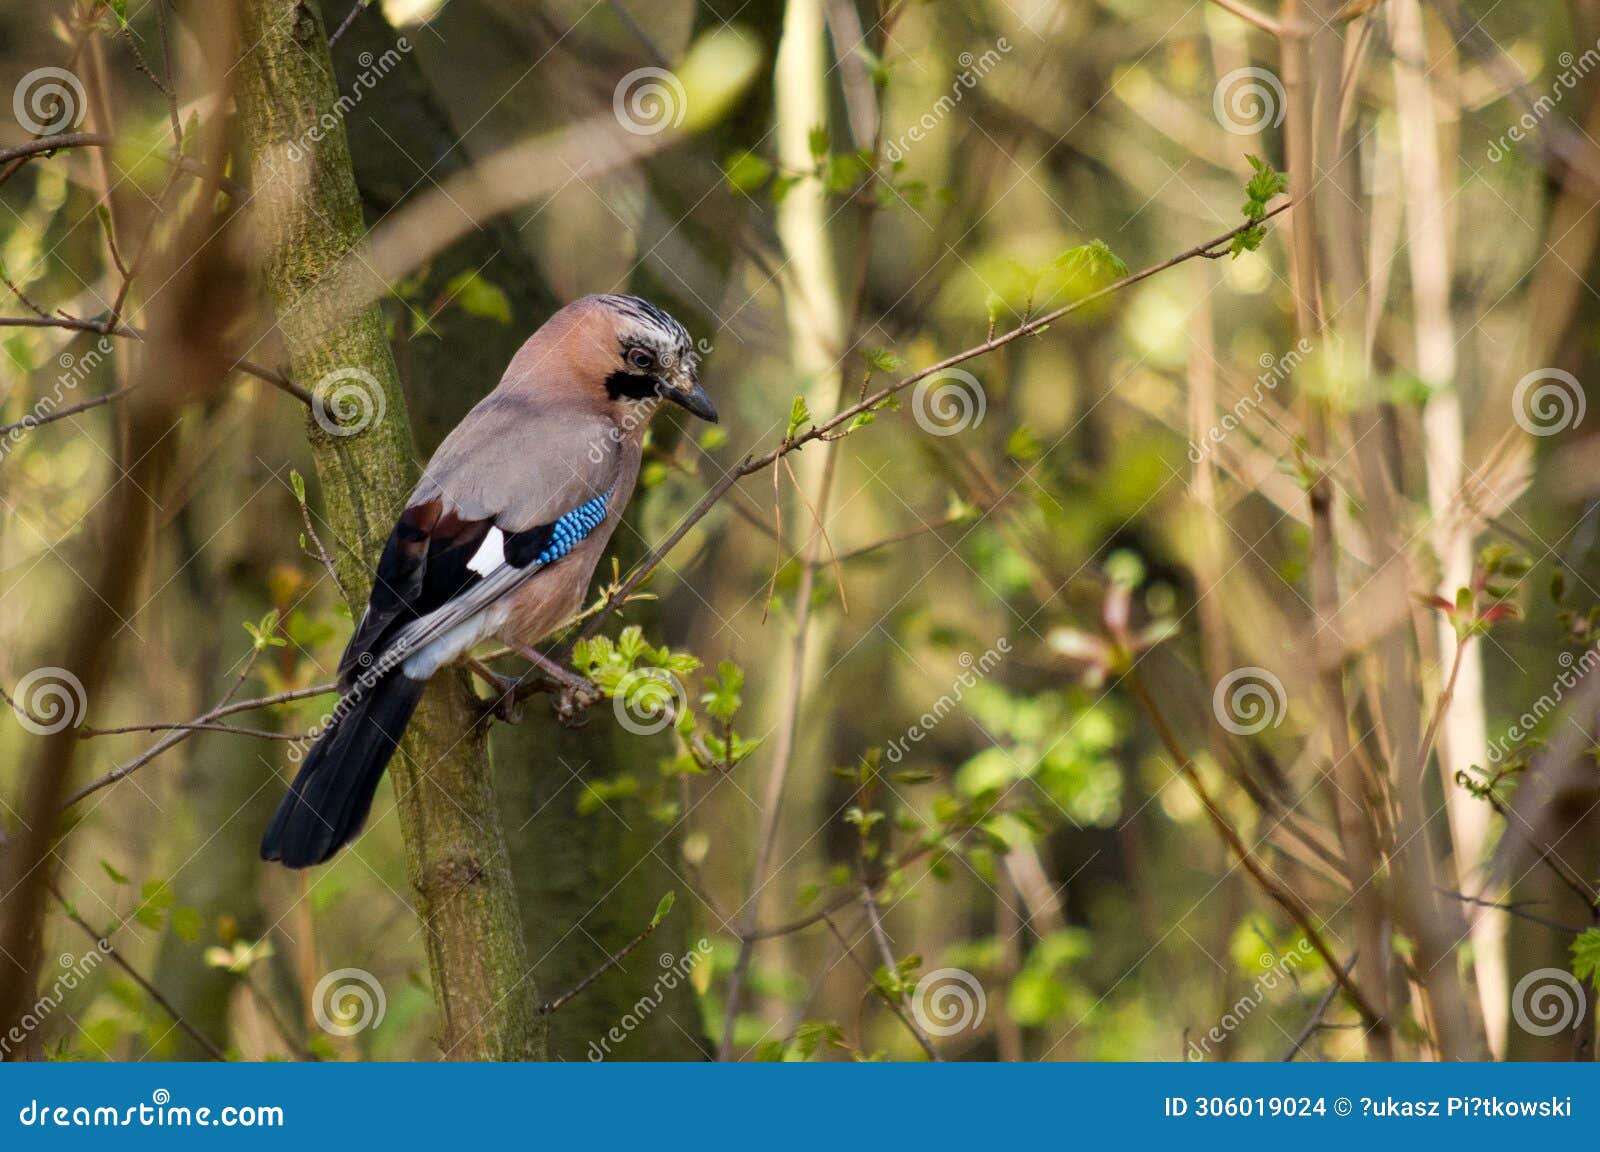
(308, 216)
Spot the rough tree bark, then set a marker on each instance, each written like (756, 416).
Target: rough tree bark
(308, 214)
(586, 883)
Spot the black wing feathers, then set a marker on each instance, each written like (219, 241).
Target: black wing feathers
(423, 567)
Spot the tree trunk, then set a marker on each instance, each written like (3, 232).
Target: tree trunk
(308, 215)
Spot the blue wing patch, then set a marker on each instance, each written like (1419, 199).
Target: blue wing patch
(550, 542)
(570, 529)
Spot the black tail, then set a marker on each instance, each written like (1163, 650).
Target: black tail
(328, 802)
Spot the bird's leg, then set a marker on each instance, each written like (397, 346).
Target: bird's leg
(576, 692)
(505, 705)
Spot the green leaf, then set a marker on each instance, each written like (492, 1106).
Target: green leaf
(799, 416)
(1094, 262)
(817, 141)
(187, 923)
(781, 187)
(298, 483)
(1265, 182)
(478, 297)
(722, 698)
(841, 173)
(746, 172)
(882, 360)
(116, 877)
(662, 909)
(1586, 956)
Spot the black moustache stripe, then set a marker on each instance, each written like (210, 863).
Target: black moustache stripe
(632, 385)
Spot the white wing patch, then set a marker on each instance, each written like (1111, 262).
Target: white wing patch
(491, 554)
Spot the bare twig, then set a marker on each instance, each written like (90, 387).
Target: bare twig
(753, 463)
(1311, 1025)
(1514, 910)
(1282, 896)
(31, 422)
(361, 6)
(610, 962)
(113, 326)
(182, 733)
(103, 943)
(875, 919)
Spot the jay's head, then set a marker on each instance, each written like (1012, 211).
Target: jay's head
(639, 355)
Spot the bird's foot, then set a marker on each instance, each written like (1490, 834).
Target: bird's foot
(504, 703)
(573, 703)
(574, 694)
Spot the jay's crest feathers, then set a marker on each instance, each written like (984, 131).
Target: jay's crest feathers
(499, 539)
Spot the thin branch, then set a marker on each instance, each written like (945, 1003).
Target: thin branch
(1250, 16)
(1514, 910)
(322, 553)
(611, 962)
(1282, 896)
(264, 1002)
(1315, 1022)
(259, 733)
(31, 422)
(183, 733)
(875, 919)
(902, 536)
(103, 943)
(752, 464)
(46, 145)
(111, 326)
(361, 6)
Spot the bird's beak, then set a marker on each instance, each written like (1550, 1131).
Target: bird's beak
(687, 393)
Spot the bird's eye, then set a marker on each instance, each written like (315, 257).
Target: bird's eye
(641, 359)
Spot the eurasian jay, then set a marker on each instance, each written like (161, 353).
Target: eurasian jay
(499, 539)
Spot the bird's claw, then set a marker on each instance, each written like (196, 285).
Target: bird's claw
(573, 703)
(507, 709)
